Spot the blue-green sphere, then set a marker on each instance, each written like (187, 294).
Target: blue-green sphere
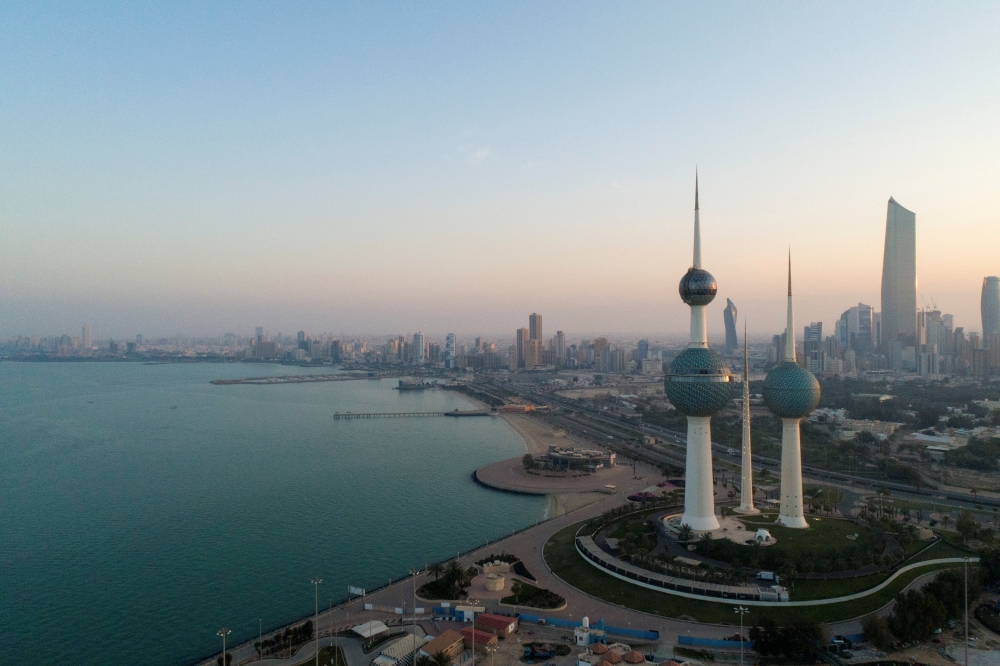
(791, 391)
(699, 382)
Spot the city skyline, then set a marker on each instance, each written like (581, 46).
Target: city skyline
(182, 189)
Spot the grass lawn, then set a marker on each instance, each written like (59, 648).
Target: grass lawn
(823, 531)
(561, 556)
(827, 496)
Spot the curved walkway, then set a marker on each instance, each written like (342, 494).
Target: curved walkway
(725, 594)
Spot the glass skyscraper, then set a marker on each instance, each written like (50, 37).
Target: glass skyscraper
(729, 316)
(899, 276)
(990, 306)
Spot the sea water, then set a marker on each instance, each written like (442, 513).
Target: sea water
(142, 507)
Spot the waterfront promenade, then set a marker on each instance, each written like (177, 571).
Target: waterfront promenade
(528, 546)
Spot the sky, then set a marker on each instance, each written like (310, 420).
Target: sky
(380, 168)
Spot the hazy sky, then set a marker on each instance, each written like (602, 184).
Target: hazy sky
(389, 167)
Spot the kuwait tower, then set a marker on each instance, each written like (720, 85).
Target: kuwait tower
(791, 392)
(698, 385)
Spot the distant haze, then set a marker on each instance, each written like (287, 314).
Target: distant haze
(363, 169)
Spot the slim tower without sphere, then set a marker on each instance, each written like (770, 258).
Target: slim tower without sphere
(746, 476)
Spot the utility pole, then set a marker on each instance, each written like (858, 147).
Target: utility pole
(966, 563)
(225, 632)
(742, 611)
(316, 582)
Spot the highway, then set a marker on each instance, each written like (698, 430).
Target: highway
(903, 491)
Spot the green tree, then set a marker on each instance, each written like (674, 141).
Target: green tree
(529, 462)
(437, 569)
(916, 616)
(876, 631)
(966, 524)
(685, 532)
(441, 659)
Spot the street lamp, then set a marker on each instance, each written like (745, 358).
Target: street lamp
(741, 611)
(414, 572)
(966, 563)
(491, 649)
(316, 582)
(472, 604)
(225, 632)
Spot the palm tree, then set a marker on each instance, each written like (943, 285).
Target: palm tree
(437, 569)
(685, 532)
(453, 572)
(424, 660)
(441, 659)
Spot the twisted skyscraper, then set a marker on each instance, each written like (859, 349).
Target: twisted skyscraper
(899, 276)
(698, 385)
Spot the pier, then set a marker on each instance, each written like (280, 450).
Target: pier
(400, 415)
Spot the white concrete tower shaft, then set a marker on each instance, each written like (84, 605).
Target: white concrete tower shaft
(746, 476)
(790, 512)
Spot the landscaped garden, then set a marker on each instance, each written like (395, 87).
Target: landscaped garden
(566, 563)
(450, 582)
(523, 594)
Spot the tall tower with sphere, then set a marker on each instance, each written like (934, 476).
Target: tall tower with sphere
(791, 392)
(698, 385)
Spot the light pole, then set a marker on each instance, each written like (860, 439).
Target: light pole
(492, 650)
(260, 637)
(316, 582)
(472, 604)
(225, 632)
(414, 572)
(741, 611)
(966, 564)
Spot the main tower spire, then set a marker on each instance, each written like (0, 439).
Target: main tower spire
(698, 385)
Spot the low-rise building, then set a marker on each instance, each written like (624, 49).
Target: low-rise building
(478, 640)
(400, 652)
(498, 625)
(451, 643)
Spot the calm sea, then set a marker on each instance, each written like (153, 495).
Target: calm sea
(141, 508)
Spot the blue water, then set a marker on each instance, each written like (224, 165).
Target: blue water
(141, 508)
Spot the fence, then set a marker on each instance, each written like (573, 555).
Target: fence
(650, 635)
(712, 643)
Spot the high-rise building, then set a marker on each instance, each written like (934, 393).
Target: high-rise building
(535, 326)
(813, 346)
(729, 316)
(899, 276)
(990, 306)
(698, 385)
(855, 329)
(559, 348)
(449, 351)
(642, 351)
(791, 392)
(418, 348)
(521, 337)
(87, 340)
(303, 339)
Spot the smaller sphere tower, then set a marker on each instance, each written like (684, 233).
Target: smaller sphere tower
(698, 385)
(791, 392)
